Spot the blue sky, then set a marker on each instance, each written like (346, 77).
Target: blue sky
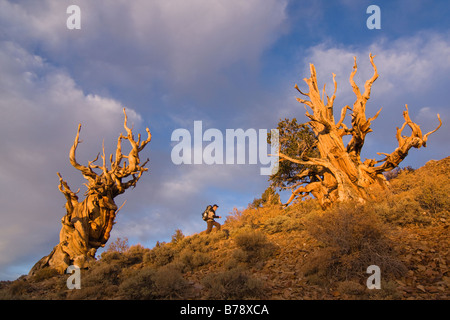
(231, 64)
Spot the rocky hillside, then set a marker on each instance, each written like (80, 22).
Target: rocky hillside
(300, 252)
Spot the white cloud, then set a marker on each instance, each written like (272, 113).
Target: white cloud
(180, 43)
(41, 107)
(186, 50)
(412, 70)
(54, 78)
(407, 65)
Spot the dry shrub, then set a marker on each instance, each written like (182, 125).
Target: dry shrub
(103, 274)
(149, 283)
(169, 283)
(351, 287)
(233, 284)
(119, 245)
(138, 285)
(191, 260)
(418, 197)
(352, 238)
(282, 223)
(113, 258)
(178, 236)
(433, 195)
(202, 242)
(429, 186)
(234, 219)
(135, 254)
(100, 281)
(18, 289)
(401, 209)
(44, 273)
(254, 245)
(161, 255)
(305, 207)
(251, 217)
(277, 224)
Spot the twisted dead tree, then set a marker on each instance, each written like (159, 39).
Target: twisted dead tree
(339, 173)
(87, 224)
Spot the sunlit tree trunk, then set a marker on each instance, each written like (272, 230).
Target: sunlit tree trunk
(343, 176)
(87, 225)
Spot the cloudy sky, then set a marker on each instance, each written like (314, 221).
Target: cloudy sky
(229, 63)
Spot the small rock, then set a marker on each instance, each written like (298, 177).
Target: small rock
(421, 287)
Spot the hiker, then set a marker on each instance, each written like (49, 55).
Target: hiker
(210, 219)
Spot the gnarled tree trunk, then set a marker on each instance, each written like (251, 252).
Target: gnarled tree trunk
(87, 224)
(343, 176)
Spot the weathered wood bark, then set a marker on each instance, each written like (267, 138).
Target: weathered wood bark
(87, 224)
(343, 176)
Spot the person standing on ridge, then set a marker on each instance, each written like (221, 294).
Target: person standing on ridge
(210, 219)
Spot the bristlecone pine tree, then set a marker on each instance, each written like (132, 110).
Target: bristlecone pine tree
(339, 173)
(87, 224)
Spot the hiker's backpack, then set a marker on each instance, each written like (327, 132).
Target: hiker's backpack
(206, 212)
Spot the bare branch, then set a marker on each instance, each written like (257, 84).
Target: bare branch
(405, 143)
(117, 211)
(425, 137)
(305, 102)
(360, 125)
(309, 161)
(352, 82)
(71, 197)
(375, 116)
(90, 163)
(86, 226)
(64, 187)
(87, 172)
(343, 175)
(343, 113)
(330, 102)
(324, 93)
(298, 89)
(149, 138)
(368, 84)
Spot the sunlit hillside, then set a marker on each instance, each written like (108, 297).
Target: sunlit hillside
(301, 252)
